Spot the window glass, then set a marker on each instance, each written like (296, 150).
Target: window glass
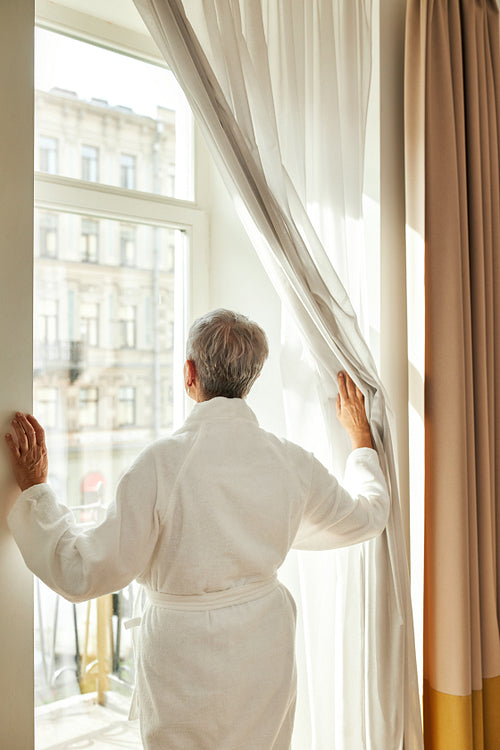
(126, 406)
(127, 246)
(47, 235)
(127, 326)
(47, 154)
(87, 407)
(89, 241)
(127, 171)
(90, 163)
(47, 322)
(89, 323)
(106, 117)
(108, 320)
(107, 349)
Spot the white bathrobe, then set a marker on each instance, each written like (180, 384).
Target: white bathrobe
(203, 519)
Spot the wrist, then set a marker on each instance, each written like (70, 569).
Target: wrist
(361, 440)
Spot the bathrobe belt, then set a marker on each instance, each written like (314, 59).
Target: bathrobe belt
(213, 599)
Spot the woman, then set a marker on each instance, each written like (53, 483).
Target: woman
(203, 519)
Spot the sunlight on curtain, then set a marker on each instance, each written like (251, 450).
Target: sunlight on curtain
(280, 91)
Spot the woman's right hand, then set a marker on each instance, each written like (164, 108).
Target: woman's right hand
(351, 412)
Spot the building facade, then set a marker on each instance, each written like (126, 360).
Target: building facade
(104, 296)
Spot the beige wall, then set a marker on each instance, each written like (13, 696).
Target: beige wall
(16, 251)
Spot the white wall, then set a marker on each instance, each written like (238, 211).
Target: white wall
(16, 253)
(238, 281)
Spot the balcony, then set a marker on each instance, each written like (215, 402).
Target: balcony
(80, 722)
(84, 672)
(60, 356)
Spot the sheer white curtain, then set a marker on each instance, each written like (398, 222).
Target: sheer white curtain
(280, 89)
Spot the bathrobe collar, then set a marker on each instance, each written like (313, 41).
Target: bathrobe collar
(218, 408)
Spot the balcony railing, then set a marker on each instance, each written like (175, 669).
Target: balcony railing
(60, 355)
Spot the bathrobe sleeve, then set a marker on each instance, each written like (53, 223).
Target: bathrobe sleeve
(82, 564)
(337, 516)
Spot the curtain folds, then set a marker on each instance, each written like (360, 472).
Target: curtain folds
(280, 91)
(453, 94)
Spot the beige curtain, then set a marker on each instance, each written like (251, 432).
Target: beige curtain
(453, 193)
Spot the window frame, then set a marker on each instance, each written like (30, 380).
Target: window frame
(128, 171)
(48, 225)
(83, 407)
(123, 405)
(100, 201)
(89, 162)
(48, 155)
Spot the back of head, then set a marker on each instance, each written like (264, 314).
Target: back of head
(228, 351)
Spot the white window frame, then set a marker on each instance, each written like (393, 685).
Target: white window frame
(90, 158)
(76, 196)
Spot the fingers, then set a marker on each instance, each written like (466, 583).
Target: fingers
(39, 431)
(338, 405)
(347, 388)
(22, 439)
(342, 386)
(28, 432)
(351, 388)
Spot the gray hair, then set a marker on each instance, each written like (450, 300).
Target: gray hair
(228, 351)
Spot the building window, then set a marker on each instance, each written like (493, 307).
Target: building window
(47, 318)
(127, 326)
(89, 241)
(126, 406)
(127, 246)
(90, 163)
(48, 235)
(127, 171)
(48, 154)
(89, 323)
(46, 406)
(87, 401)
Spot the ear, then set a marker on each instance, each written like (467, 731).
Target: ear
(189, 373)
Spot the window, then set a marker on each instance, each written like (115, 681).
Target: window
(90, 163)
(127, 327)
(126, 406)
(47, 235)
(88, 402)
(46, 406)
(127, 246)
(48, 154)
(89, 323)
(113, 120)
(89, 241)
(47, 320)
(127, 171)
(124, 112)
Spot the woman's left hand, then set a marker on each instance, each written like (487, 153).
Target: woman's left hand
(28, 452)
